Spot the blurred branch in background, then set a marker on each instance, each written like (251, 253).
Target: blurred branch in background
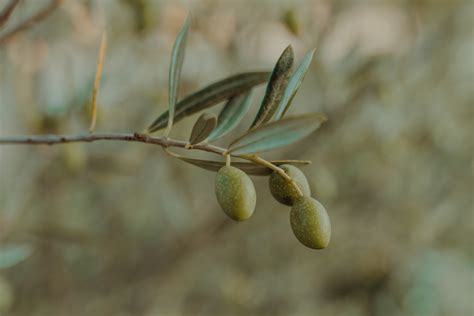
(7, 11)
(29, 22)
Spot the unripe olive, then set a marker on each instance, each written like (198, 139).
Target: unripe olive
(310, 223)
(235, 193)
(284, 191)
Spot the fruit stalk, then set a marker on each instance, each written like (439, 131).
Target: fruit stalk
(268, 164)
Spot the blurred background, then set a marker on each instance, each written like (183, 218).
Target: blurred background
(122, 229)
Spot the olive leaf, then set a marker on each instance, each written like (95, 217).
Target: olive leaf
(231, 115)
(12, 254)
(276, 85)
(211, 95)
(277, 134)
(204, 125)
(293, 85)
(248, 167)
(177, 57)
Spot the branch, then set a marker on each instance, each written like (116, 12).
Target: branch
(141, 138)
(128, 137)
(7, 11)
(29, 22)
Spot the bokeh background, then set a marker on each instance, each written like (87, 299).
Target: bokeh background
(122, 229)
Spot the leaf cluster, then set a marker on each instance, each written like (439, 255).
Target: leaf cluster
(270, 129)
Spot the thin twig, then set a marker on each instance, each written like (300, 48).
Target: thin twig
(7, 11)
(98, 76)
(29, 22)
(164, 142)
(130, 137)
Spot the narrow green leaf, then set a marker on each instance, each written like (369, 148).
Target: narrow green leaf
(293, 85)
(275, 87)
(277, 134)
(248, 167)
(10, 255)
(204, 125)
(231, 115)
(211, 95)
(177, 57)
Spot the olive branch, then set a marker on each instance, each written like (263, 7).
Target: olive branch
(270, 128)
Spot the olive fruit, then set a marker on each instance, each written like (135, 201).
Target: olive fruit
(284, 191)
(310, 223)
(235, 193)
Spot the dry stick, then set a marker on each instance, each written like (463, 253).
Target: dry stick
(7, 11)
(98, 76)
(38, 17)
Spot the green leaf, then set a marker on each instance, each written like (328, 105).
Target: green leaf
(211, 95)
(204, 125)
(294, 85)
(275, 87)
(231, 115)
(12, 254)
(277, 134)
(177, 57)
(248, 167)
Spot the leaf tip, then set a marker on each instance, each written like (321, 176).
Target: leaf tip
(187, 22)
(288, 54)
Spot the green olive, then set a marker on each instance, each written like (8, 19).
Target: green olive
(284, 191)
(310, 223)
(235, 193)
